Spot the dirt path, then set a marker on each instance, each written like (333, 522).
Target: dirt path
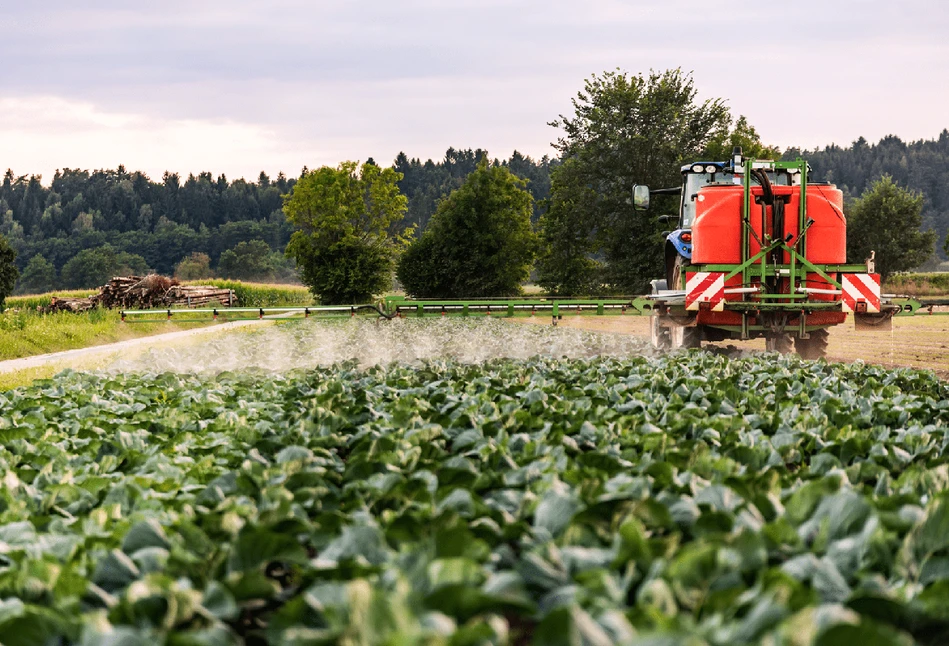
(914, 342)
(94, 355)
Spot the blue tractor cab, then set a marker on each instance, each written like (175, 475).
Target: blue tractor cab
(678, 247)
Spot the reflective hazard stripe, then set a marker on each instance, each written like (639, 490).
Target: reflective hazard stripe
(861, 288)
(705, 287)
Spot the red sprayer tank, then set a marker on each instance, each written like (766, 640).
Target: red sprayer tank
(717, 231)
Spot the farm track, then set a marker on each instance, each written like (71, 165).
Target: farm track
(83, 357)
(920, 342)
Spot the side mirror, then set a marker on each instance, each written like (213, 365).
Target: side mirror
(640, 197)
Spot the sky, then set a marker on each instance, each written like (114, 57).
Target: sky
(241, 87)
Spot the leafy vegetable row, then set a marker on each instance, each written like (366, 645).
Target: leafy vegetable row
(687, 499)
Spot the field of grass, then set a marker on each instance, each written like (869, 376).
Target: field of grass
(25, 333)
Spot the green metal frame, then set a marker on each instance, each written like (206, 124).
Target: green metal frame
(767, 245)
(399, 307)
(795, 270)
(510, 308)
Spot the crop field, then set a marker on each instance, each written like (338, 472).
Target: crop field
(394, 484)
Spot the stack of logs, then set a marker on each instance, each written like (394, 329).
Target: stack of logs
(144, 292)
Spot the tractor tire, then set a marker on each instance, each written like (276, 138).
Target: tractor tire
(676, 271)
(780, 343)
(814, 347)
(685, 337)
(659, 335)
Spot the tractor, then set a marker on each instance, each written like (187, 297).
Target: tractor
(759, 250)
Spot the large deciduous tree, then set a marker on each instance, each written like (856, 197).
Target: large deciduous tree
(8, 270)
(887, 219)
(743, 135)
(625, 130)
(346, 217)
(479, 242)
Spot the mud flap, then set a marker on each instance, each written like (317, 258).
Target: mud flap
(882, 321)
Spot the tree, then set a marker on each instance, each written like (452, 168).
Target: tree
(95, 267)
(744, 135)
(346, 218)
(625, 130)
(565, 265)
(887, 219)
(194, 266)
(38, 277)
(478, 243)
(8, 270)
(247, 261)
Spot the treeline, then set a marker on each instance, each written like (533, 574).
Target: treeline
(201, 225)
(140, 222)
(161, 222)
(922, 166)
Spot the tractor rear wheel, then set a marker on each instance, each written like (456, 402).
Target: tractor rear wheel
(675, 273)
(813, 347)
(686, 337)
(779, 343)
(659, 335)
(673, 337)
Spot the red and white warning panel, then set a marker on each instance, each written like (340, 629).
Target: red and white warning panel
(861, 292)
(705, 287)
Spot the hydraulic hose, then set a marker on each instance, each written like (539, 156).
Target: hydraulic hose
(767, 193)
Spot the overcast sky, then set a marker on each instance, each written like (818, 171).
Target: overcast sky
(238, 87)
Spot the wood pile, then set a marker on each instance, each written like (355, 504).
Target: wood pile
(146, 292)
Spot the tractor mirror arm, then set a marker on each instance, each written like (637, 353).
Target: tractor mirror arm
(641, 195)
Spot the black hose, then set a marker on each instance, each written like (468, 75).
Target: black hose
(767, 192)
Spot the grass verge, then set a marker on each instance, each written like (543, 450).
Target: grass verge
(26, 333)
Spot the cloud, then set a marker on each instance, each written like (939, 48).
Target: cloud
(50, 133)
(240, 85)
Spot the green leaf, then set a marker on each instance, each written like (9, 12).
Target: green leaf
(115, 571)
(866, 633)
(360, 542)
(555, 510)
(257, 546)
(147, 533)
(218, 601)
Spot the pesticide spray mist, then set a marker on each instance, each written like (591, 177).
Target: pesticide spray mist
(306, 344)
